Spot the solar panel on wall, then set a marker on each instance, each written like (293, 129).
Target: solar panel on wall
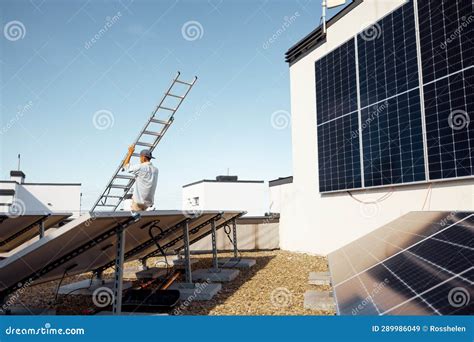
(338, 144)
(397, 131)
(447, 52)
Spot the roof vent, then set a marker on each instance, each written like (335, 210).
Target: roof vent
(17, 176)
(227, 178)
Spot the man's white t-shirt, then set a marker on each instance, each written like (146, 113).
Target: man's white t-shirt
(146, 178)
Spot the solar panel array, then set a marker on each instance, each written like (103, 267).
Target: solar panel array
(421, 263)
(393, 118)
(336, 89)
(89, 243)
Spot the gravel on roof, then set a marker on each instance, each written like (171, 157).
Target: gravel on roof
(274, 286)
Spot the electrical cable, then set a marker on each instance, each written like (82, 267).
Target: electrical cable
(378, 200)
(160, 249)
(81, 288)
(228, 232)
(428, 193)
(59, 286)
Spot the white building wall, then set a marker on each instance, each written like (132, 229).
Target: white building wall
(259, 236)
(315, 223)
(57, 198)
(189, 194)
(250, 197)
(41, 198)
(279, 194)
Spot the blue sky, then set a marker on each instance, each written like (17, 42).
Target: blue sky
(54, 79)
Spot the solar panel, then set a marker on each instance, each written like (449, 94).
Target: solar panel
(393, 142)
(416, 264)
(337, 120)
(449, 134)
(336, 89)
(447, 53)
(88, 244)
(14, 231)
(388, 60)
(445, 37)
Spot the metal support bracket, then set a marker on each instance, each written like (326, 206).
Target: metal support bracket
(118, 279)
(187, 254)
(41, 229)
(234, 238)
(215, 266)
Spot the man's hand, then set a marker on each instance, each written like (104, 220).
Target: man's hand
(131, 149)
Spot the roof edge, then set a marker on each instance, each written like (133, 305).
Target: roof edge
(316, 38)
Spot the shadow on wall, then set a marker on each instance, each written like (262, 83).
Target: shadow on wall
(29, 202)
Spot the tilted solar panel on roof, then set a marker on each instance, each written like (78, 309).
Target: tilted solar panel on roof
(421, 263)
(88, 244)
(15, 230)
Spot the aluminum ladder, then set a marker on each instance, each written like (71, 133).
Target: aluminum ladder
(155, 128)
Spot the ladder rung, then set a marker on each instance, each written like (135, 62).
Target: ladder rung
(163, 122)
(140, 143)
(166, 108)
(152, 133)
(174, 95)
(118, 186)
(124, 177)
(182, 82)
(112, 196)
(106, 205)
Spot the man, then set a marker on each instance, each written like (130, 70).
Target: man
(146, 178)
